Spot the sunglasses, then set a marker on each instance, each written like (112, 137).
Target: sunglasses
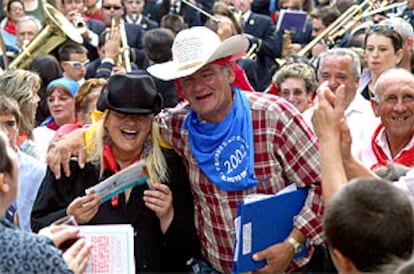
(376, 27)
(108, 7)
(76, 64)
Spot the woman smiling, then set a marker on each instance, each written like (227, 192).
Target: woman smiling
(162, 214)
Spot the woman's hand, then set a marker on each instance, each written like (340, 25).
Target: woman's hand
(84, 208)
(159, 199)
(76, 256)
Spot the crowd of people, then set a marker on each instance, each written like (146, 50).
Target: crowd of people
(221, 99)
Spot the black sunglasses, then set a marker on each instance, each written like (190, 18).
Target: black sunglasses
(108, 7)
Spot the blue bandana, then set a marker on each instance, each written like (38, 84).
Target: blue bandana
(224, 151)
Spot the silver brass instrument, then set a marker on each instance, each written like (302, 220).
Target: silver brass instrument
(80, 23)
(55, 32)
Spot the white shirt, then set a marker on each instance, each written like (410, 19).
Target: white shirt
(361, 122)
(406, 183)
(130, 21)
(366, 154)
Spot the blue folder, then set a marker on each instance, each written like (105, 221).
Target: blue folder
(264, 223)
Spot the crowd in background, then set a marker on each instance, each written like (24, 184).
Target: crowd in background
(171, 82)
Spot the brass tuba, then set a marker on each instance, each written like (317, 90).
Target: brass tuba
(54, 33)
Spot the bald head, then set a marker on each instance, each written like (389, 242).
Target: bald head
(398, 75)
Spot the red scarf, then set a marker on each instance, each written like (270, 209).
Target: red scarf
(53, 126)
(10, 27)
(109, 162)
(406, 158)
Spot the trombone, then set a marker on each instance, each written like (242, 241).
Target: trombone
(341, 25)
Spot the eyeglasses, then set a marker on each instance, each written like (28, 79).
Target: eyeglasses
(108, 7)
(16, 9)
(76, 64)
(376, 27)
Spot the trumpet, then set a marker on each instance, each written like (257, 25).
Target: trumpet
(123, 57)
(79, 23)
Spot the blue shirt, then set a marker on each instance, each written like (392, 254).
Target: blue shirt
(31, 173)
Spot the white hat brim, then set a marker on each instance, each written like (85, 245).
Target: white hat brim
(235, 46)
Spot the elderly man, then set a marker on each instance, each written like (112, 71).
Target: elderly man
(346, 200)
(26, 29)
(233, 143)
(392, 141)
(342, 66)
(220, 120)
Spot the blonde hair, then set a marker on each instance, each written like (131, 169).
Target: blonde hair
(152, 154)
(19, 84)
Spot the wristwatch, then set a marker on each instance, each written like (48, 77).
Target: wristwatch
(297, 246)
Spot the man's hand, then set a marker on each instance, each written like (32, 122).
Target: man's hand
(61, 150)
(277, 257)
(112, 47)
(294, 48)
(119, 70)
(84, 208)
(318, 49)
(329, 112)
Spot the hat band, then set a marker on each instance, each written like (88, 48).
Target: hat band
(191, 65)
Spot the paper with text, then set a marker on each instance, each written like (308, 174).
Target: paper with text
(112, 248)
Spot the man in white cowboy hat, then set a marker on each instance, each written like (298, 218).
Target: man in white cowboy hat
(235, 143)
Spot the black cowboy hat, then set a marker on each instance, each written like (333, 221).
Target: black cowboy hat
(130, 94)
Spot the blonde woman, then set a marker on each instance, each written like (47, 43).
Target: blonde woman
(123, 135)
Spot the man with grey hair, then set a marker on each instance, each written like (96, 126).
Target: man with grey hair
(26, 29)
(392, 141)
(338, 67)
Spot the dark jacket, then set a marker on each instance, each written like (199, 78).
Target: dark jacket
(154, 251)
(97, 27)
(191, 16)
(262, 32)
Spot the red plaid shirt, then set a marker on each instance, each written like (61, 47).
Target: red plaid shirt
(285, 151)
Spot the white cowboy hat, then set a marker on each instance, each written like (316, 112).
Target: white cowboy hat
(195, 47)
